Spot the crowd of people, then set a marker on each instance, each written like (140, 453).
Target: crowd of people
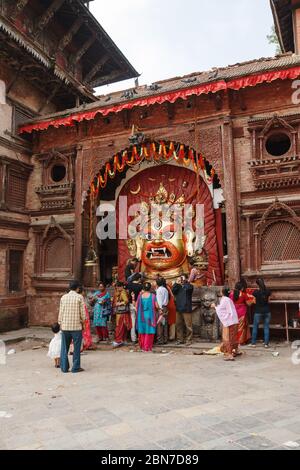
(143, 312)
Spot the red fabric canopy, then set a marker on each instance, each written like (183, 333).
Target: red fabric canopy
(237, 84)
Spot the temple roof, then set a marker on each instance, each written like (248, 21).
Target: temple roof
(61, 46)
(283, 19)
(241, 75)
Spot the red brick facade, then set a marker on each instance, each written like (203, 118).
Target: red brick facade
(228, 136)
(250, 136)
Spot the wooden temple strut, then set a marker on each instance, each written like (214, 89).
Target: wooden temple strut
(47, 15)
(17, 9)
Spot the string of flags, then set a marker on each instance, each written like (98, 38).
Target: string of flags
(158, 153)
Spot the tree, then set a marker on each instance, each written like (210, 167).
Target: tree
(273, 39)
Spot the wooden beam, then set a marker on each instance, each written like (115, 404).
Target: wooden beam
(67, 38)
(241, 98)
(170, 110)
(106, 79)
(50, 97)
(19, 6)
(83, 49)
(98, 66)
(3, 185)
(14, 78)
(48, 15)
(126, 118)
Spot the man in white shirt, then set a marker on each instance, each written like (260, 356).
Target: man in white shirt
(162, 298)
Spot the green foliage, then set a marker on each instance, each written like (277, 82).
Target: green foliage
(273, 39)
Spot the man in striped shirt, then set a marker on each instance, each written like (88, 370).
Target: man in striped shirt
(71, 320)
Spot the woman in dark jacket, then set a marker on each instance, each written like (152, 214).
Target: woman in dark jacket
(262, 312)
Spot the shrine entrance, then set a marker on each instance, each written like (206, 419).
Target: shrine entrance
(163, 174)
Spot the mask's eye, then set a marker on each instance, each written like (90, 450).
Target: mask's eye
(148, 236)
(168, 235)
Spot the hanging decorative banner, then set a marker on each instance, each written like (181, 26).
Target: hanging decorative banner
(158, 153)
(246, 81)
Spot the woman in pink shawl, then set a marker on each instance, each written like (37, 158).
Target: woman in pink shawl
(227, 314)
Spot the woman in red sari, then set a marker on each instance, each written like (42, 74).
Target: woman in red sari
(87, 340)
(241, 300)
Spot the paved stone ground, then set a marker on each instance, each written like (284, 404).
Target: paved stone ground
(130, 400)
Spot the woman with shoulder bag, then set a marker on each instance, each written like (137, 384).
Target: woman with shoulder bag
(122, 312)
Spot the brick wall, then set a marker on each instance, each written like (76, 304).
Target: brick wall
(199, 126)
(13, 307)
(44, 308)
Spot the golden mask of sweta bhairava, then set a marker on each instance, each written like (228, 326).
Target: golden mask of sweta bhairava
(160, 238)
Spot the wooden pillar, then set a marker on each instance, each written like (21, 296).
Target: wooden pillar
(249, 250)
(230, 194)
(78, 214)
(3, 187)
(296, 24)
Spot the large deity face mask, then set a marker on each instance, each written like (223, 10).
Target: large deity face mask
(163, 247)
(159, 235)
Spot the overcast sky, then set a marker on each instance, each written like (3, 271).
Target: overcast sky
(167, 38)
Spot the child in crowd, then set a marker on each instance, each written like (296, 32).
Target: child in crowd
(55, 345)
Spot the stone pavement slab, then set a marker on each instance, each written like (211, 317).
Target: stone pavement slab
(129, 400)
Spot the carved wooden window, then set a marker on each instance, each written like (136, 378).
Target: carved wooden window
(16, 191)
(278, 143)
(273, 139)
(15, 271)
(19, 116)
(58, 172)
(281, 243)
(57, 189)
(58, 255)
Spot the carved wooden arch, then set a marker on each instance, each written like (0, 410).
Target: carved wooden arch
(55, 157)
(277, 124)
(272, 222)
(275, 206)
(53, 232)
(53, 224)
(276, 121)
